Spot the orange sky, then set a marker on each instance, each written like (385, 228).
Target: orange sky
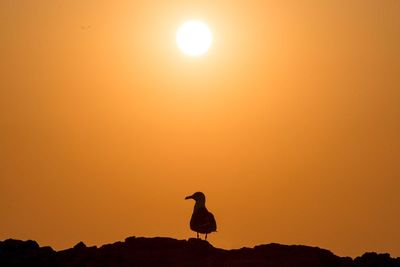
(290, 124)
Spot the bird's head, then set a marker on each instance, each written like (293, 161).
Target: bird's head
(199, 197)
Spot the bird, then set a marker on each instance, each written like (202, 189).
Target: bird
(202, 220)
(86, 27)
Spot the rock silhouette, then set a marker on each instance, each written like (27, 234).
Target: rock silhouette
(171, 252)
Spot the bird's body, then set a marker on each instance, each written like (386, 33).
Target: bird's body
(202, 220)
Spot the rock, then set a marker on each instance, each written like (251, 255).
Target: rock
(80, 245)
(373, 259)
(139, 251)
(15, 245)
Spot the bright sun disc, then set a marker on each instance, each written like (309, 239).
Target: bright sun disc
(194, 38)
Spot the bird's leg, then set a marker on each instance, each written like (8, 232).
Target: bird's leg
(206, 236)
(197, 235)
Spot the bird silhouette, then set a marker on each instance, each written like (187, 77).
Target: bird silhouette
(202, 220)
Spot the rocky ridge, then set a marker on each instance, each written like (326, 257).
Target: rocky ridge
(140, 251)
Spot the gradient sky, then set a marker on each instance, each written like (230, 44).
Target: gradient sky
(290, 124)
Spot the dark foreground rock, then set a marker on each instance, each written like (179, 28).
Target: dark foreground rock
(171, 252)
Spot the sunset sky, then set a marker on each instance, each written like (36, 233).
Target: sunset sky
(290, 124)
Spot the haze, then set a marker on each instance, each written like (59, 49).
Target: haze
(289, 124)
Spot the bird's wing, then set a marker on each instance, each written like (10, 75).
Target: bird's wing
(203, 220)
(213, 223)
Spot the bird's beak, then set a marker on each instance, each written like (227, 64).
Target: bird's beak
(189, 197)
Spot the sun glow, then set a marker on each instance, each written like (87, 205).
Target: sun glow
(194, 38)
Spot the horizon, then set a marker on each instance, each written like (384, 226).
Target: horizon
(289, 122)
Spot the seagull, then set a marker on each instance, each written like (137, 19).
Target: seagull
(202, 220)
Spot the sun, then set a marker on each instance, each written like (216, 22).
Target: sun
(194, 38)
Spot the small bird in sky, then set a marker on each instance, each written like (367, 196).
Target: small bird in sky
(202, 220)
(86, 27)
